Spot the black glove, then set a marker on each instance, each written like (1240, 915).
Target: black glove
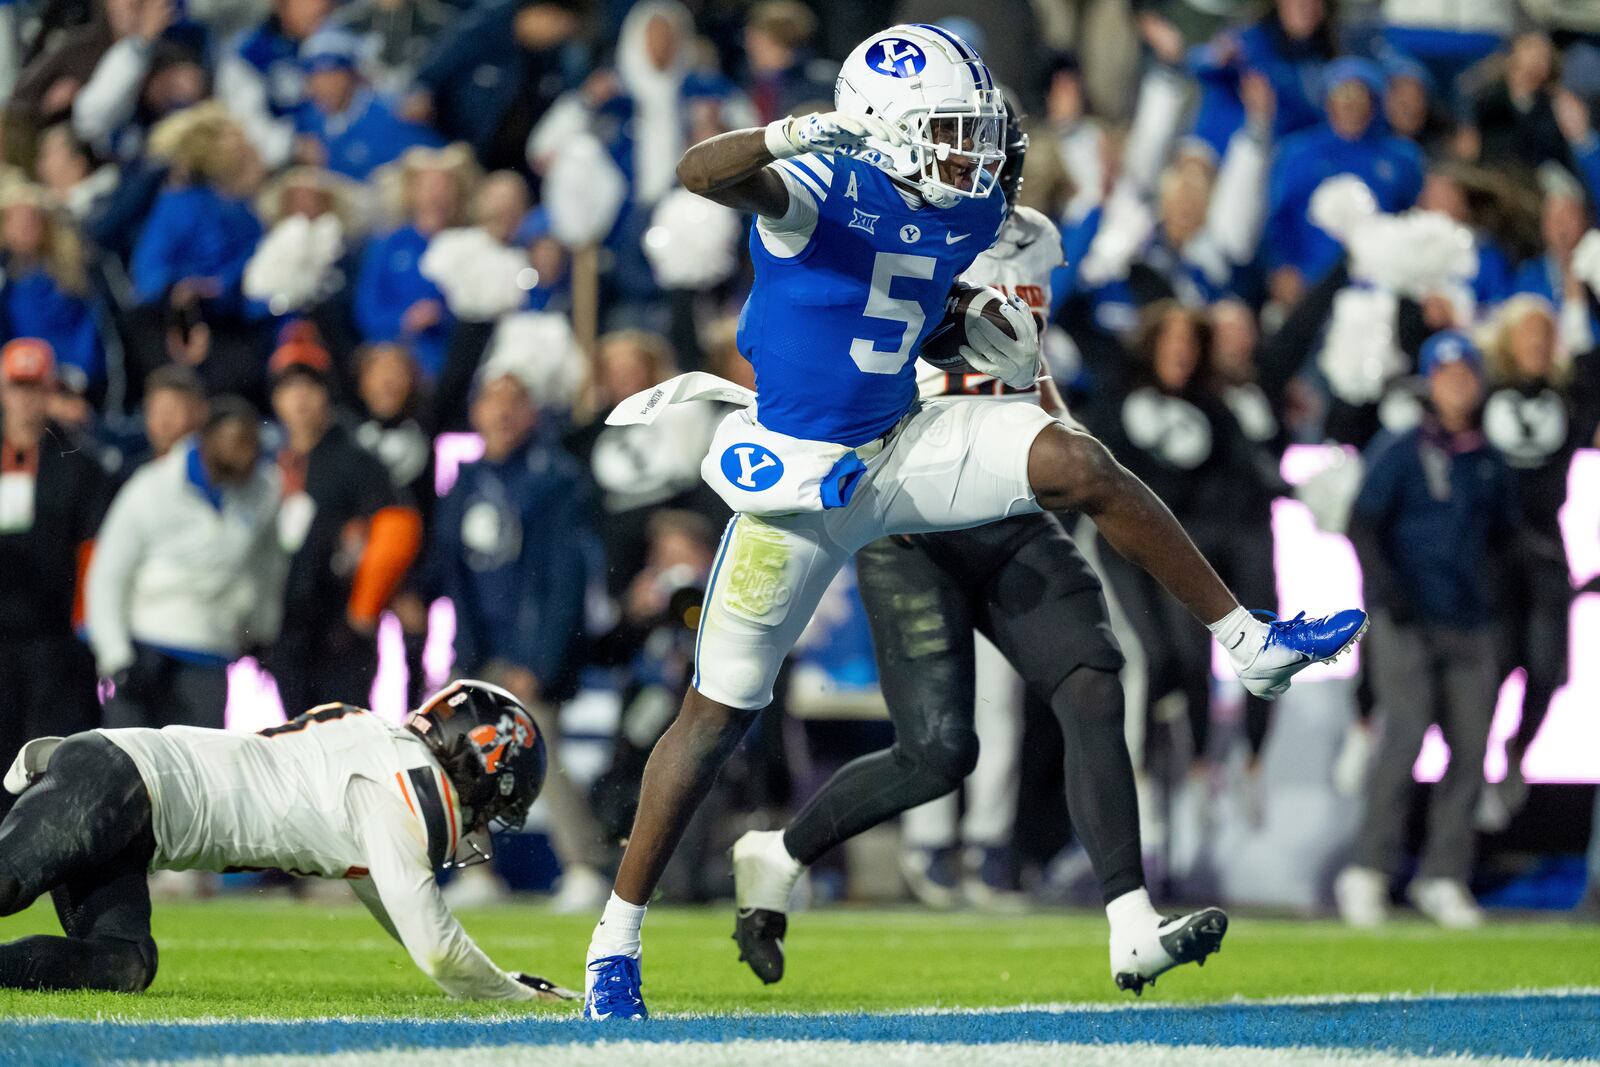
(543, 988)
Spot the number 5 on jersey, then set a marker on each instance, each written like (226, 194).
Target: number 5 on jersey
(886, 268)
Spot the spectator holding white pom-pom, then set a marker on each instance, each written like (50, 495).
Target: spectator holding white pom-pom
(1353, 140)
(481, 274)
(293, 267)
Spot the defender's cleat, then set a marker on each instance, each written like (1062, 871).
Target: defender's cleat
(1266, 660)
(614, 990)
(1138, 962)
(759, 935)
(764, 875)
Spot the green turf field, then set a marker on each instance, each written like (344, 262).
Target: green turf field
(275, 958)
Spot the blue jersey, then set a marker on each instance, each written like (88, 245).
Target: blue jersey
(833, 328)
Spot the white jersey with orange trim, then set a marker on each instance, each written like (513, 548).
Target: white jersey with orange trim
(338, 793)
(1018, 264)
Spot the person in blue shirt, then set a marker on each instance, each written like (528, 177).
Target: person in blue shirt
(344, 125)
(1436, 509)
(200, 232)
(1461, 192)
(1354, 140)
(865, 217)
(1290, 47)
(259, 76)
(43, 289)
(393, 301)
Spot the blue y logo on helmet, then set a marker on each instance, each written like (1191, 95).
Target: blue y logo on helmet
(896, 58)
(751, 467)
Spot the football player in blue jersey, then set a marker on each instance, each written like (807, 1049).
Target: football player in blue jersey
(865, 217)
(1023, 585)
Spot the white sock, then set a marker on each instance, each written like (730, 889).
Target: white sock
(1234, 620)
(1229, 628)
(1132, 913)
(617, 933)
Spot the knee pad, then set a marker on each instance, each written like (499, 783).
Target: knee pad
(742, 682)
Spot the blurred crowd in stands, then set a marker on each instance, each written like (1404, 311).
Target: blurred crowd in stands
(256, 257)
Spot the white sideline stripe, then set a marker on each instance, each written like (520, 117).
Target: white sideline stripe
(882, 1054)
(1053, 1007)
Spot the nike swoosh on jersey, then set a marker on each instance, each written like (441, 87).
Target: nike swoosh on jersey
(952, 238)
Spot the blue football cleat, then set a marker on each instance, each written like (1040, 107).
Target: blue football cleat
(614, 991)
(1265, 660)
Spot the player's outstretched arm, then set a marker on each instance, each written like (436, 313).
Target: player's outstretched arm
(732, 170)
(401, 893)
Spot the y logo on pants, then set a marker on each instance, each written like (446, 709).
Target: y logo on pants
(751, 467)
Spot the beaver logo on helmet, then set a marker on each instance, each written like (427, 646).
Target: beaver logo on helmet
(515, 730)
(489, 746)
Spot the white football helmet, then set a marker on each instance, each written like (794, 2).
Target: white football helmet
(934, 85)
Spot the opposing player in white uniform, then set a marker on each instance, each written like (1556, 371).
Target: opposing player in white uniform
(1020, 583)
(865, 218)
(335, 793)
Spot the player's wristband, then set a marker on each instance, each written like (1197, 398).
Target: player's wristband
(778, 142)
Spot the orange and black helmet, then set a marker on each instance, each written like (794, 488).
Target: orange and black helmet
(489, 746)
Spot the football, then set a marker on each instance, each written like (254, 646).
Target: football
(942, 347)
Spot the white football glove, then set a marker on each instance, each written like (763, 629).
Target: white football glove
(991, 352)
(831, 131)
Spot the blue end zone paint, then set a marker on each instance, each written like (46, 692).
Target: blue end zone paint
(1543, 1026)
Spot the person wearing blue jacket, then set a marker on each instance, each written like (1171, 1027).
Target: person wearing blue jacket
(188, 260)
(394, 302)
(1290, 47)
(1354, 140)
(201, 229)
(259, 78)
(509, 552)
(1436, 510)
(43, 289)
(345, 125)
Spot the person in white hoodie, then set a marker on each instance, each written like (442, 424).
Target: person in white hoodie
(188, 574)
(645, 110)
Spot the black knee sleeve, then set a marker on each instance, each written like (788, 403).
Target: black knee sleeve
(943, 761)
